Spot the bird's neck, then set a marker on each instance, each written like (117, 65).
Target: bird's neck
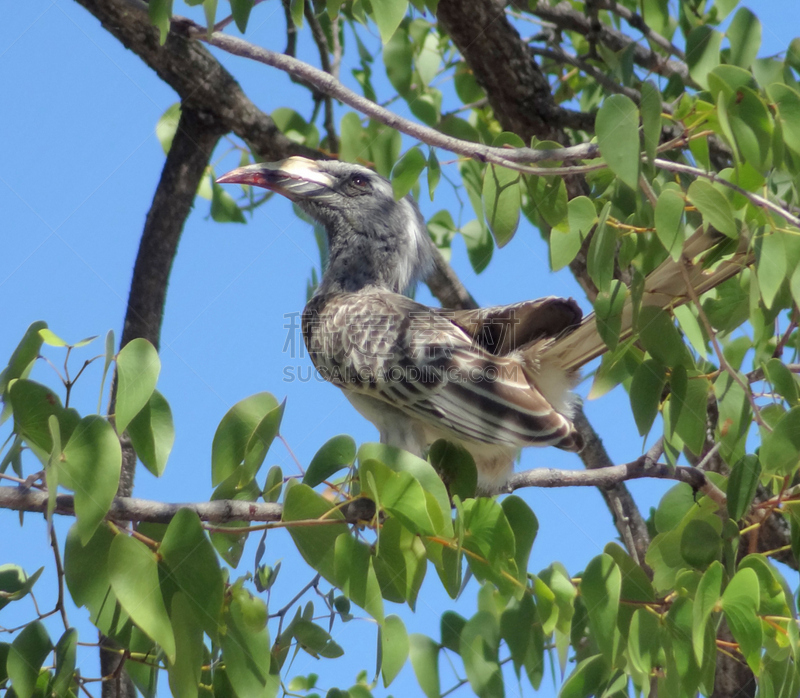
(377, 258)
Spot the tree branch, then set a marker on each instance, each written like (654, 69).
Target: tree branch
(225, 510)
(564, 17)
(329, 85)
(637, 22)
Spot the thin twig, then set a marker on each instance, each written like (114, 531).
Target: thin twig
(60, 575)
(715, 177)
(637, 22)
(325, 62)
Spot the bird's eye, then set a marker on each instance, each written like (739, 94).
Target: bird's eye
(359, 180)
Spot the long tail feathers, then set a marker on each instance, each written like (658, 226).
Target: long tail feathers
(665, 287)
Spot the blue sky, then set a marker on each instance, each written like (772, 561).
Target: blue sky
(79, 165)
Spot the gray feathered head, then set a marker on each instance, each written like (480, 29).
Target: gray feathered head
(373, 239)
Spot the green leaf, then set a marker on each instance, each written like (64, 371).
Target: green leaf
(334, 455)
(602, 249)
(109, 357)
(780, 448)
(66, 649)
(437, 500)
(480, 245)
(406, 172)
(565, 243)
(316, 545)
(28, 651)
(451, 624)
(397, 493)
(51, 338)
(702, 52)
(771, 265)
(700, 544)
(260, 441)
(91, 468)
(651, 118)
(740, 604)
(787, 101)
(714, 207)
(429, 58)
(231, 545)
(691, 328)
(659, 336)
(240, 9)
(33, 404)
(688, 404)
(15, 584)
(223, 207)
(456, 467)
(246, 653)
(489, 536)
(608, 312)
(351, 134)
(705, 603)
(434, 172)
(394, 648)
(547, 199)
(669, 222)
(617, 128)
(398, 55)
(600, 588)
(153, 433)
(315, 640)
(744, 34)
(400, 564)
(273, 484)
(742, 485)
(236, 436)
(167, 126)
(502, 198)
(387, 15)
(525, 526)
(133, 573)
(521, 629)
(355, 574)
(586, 679)
(194, 568)
(783, 380)
(646, 389)
(296, 8)
(480, 641)
(138, 367)
(185, 674)
(21, 361)
(86, 575)
(160, 12)
(643, 641)
(424, 654)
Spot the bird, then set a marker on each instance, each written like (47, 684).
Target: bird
(491, 380)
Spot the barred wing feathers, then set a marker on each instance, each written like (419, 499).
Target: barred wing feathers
(422, 362)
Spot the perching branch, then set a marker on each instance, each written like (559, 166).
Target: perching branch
(225, 510)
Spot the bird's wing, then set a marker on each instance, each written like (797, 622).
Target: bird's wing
(503, 329)
(416, 359)
(665, 287)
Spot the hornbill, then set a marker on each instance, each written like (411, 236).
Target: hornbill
(492, 380)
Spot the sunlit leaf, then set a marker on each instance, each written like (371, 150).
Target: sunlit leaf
(617, 128)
